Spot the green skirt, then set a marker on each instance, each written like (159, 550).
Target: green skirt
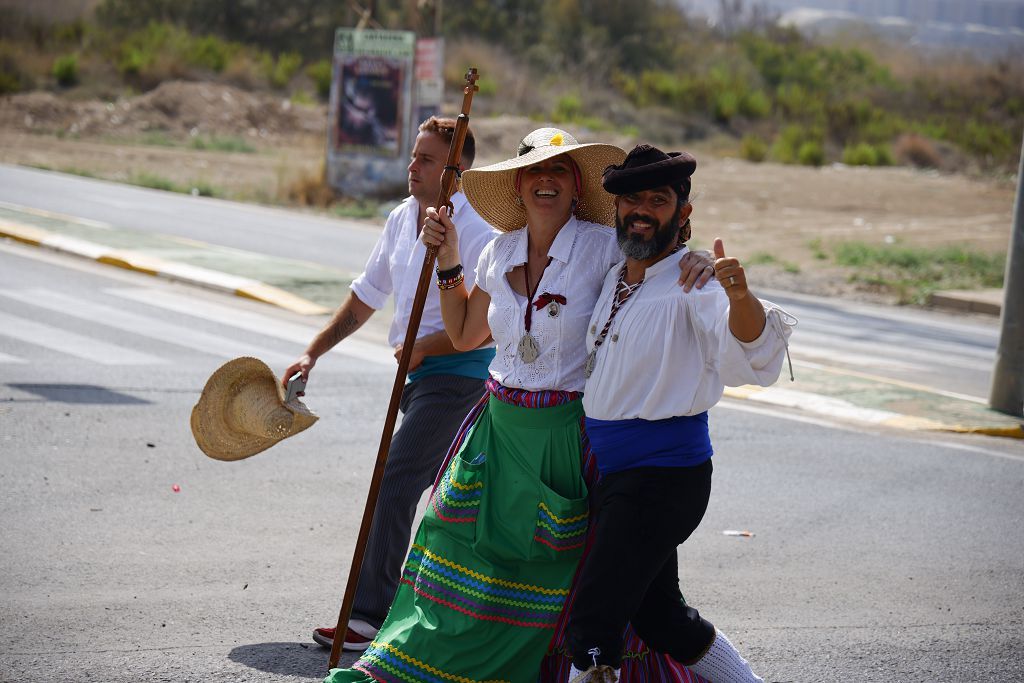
(494, 557)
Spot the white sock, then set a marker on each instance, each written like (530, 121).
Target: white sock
(723, 664)
(362, 628)
(595, 674)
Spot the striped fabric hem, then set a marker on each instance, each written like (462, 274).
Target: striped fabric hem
(386, 663)
(481, 597)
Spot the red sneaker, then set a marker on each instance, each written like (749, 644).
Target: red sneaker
(353, 641)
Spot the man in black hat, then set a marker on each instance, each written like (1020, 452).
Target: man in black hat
(659, 359)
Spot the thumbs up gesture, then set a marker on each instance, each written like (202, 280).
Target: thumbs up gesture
(729, 273)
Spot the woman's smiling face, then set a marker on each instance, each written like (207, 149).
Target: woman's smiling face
(548, 187)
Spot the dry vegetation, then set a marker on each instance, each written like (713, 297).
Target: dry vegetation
(158, 105)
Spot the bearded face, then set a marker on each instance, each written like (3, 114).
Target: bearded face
(642, 236)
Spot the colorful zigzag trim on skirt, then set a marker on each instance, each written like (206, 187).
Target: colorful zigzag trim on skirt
(479, 596)
(385, 662)
(560, 533)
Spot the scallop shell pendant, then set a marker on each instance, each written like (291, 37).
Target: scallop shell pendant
(528, 349)
(588, 365)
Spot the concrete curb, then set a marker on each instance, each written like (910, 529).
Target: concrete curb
(832, 407)
(168, 270)
(780, 396)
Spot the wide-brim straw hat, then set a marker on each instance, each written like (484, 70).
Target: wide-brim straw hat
(491, 190)
(242, 411)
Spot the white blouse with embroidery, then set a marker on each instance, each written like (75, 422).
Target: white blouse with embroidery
(581, 255)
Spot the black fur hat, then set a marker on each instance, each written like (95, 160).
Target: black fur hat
(647, 167)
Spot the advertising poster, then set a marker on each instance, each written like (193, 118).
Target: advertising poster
(370, 116)
(370, 106)
(372, 92)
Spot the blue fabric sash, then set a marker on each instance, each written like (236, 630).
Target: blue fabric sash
(674, 442)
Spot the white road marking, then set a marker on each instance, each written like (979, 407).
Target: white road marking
(254, 322)
(144, 326)
(72, 344)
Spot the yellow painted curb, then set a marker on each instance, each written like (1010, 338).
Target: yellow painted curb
(126, 262)
(23, 233)
(278, 297)
(1010, 432)
(746, 391)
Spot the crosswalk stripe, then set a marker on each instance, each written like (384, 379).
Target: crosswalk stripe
(876, 353)
(254, 322)
(72, 344)
(144, 326)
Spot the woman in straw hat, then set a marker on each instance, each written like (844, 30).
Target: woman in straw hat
(493, 561)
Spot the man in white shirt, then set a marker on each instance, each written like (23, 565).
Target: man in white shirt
(659, 359)
(443, 383)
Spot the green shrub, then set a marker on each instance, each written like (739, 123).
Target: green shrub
(755, 105)
(209, 52)
(914, 272)
(811, 153)
(13, 77)
(567, 109)
(861, 154)
(987, 140)
(320, 73)
(726, 106)
(799, 144)
(280, 71)
(65, 70)
(753, 148)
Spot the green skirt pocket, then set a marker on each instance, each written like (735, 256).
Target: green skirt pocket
(560, 529)
(456, 502)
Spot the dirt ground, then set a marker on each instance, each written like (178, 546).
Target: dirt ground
(789, 212)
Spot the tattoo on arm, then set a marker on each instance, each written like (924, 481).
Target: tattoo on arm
(344, 327)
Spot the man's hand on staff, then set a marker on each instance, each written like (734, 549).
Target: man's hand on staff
(439, 231)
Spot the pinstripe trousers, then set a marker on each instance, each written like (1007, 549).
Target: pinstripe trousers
(433, 408)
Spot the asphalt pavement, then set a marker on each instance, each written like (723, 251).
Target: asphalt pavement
(128, 556)
(312, 289)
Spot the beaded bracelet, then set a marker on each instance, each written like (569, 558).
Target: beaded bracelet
(451, 283)
(451, 278)
(448, 274)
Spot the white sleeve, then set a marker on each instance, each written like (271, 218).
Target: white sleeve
(374, 286)
(754, 362)
(483, 267)
(473, 237)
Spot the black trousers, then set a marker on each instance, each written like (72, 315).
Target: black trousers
(631, 573)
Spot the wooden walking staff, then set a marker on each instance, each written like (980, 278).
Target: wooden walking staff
(448, 184)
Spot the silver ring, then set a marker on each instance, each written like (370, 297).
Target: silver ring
(732, 280)
(709, 267)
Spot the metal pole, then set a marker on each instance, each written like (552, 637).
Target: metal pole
(1008, 376)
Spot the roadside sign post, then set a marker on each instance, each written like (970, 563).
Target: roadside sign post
(1007, 394)
(370, 112)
